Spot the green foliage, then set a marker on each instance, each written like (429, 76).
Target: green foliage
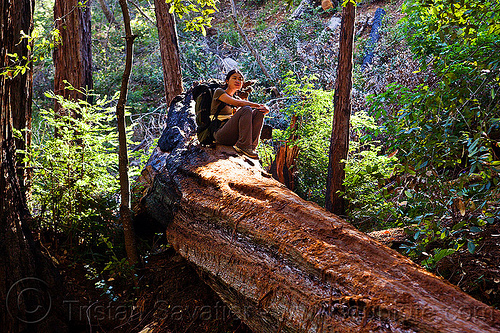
(229, 36)
(446, 131)
(458, 20)
(366, 169)
(198, 11)
(313, 109)
(198, 65)
(74, 179)
(301, 45)
(146, 80)
(74, 186)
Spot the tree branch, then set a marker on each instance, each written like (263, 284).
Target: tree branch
(247, 42)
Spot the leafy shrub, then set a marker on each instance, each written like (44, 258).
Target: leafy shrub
(75, 165)
(365, 173)
(314, 111)
(445, 132)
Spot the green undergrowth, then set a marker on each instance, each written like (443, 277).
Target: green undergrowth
(444, 131)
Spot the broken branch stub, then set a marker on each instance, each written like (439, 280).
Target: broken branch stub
(283, 263)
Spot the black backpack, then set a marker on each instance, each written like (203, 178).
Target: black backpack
(203, 94)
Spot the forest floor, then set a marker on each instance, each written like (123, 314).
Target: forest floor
(170, 297)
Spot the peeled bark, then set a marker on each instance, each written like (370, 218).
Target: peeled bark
(169, 48)
(285, 264)
(284, 164)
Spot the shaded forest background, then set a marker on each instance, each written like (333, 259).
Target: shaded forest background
(423, 160)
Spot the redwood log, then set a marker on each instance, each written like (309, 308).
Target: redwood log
(283, 264)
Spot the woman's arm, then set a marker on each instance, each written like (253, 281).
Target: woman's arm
(239, 102)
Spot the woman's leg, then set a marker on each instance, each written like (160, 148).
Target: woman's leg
(237, 130)
(257, 123)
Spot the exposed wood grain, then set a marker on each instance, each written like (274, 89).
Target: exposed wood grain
(285, 264)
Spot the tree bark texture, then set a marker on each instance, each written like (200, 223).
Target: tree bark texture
(339, 141)
(19, 97)
(28, 281)
(73, 57)
(125, 214)
(283, 264)
(169, 48)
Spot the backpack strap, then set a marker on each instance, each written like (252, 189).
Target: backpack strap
(221, 106)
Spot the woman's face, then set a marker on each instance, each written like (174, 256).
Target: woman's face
(235, 81)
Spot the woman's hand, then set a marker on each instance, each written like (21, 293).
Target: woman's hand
(262, 108)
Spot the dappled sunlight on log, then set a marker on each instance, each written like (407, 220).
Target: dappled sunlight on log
(280, 262)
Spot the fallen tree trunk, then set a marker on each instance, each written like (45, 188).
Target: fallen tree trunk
(374, 37)
(284, 264)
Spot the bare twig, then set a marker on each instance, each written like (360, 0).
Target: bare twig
(143, 13)
(247, 42)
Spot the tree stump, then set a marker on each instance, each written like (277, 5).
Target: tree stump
(282, 263)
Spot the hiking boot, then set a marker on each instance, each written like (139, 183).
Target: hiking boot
(249, 152)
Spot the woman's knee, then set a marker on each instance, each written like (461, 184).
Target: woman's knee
(246, 109)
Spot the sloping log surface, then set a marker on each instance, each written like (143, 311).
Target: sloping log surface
(283, 264)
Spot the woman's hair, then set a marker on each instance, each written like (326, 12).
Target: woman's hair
(228, 75)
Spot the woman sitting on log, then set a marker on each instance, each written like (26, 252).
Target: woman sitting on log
(242, 120)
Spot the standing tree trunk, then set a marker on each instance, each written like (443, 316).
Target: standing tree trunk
(107, 12)
(339, 141)
(29, 287)
(125, 213)
(169, 48)
(73, 57)
(20, 86)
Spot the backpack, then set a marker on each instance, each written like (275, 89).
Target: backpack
(203, 94)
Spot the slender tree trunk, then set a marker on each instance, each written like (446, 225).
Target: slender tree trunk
(339, 141)
(169, 48)
(73, 57)
(28, 281)
(107, 12)
(125, 214)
